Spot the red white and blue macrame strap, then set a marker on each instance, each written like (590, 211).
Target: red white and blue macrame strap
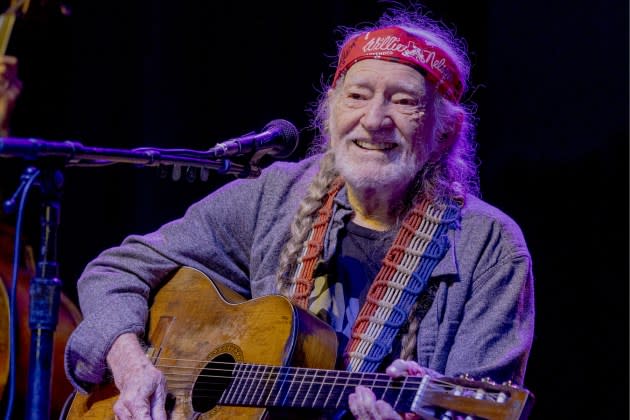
(419, 245)
(302, 282)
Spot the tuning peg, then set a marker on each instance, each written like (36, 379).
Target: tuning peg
(488, 380)
(511, 384)
(191, 174)
(163, 171)
(480, 393)
(176, 174)
(466, 376)
(501, 397)
(203, 174)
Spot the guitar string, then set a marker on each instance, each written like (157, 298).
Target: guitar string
(257, 379)
(300, 398)
(257, 395)
(289, 370)
(337, 390)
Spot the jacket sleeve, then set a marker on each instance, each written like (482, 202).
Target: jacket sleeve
(495, 335)
(214, 236)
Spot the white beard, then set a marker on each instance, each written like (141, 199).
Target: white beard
(375, 174)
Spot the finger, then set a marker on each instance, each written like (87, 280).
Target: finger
(401, 368)
(121, 411)
(158, 402)
(134, 405)
(140, 410)
(397, 369)
(361, 403)
(352, 403)
(366, 403)
(365, 395)
(385, 411)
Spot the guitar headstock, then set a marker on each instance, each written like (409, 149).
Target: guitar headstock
(482, 399)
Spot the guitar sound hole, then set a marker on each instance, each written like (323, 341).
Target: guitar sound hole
(213, 379)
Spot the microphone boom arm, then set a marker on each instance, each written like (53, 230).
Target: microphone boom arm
(76, 154)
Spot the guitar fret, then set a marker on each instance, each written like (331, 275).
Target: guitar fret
(324, 389)
(373, 386)
(227, 396)
(254, 383)
(276, 371)
(264, 380)
(283, 373)
(393, 389)
(395, 404)
(305, 373)
(409, 393)
(243, 383)
(349, 387)
(332, 388)
(389, 381)
(314, 380)
(343, 388)
(290, 393)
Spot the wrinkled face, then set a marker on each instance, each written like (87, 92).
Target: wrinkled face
(381, 124)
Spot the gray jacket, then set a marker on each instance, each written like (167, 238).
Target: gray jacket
(481, 320)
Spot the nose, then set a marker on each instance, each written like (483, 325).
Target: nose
(377, 115)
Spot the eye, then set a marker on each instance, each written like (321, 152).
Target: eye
(405, 101)
(355, 96)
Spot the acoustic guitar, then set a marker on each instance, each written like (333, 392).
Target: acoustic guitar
(224, 357)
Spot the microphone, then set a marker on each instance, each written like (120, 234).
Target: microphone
(278, 139)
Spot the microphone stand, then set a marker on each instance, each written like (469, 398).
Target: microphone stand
(45, 287)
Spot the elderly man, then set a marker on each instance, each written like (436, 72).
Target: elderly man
(380, 234)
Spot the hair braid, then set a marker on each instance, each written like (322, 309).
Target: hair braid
(409, 340)
(303, 221)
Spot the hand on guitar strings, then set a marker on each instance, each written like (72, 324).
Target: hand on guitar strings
(142, 386)
(363, 403)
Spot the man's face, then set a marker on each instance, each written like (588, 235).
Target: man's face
(381, 124)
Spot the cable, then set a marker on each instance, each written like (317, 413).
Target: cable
(31, 175)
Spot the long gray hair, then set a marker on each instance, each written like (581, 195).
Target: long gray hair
(451, 176)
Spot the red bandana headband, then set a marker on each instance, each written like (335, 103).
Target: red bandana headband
(395, 44)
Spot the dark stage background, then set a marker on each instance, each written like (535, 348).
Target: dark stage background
(550, 80)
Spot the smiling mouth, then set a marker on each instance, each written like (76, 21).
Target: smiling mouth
(374, 146)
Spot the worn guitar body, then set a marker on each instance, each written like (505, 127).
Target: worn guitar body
(193, 321)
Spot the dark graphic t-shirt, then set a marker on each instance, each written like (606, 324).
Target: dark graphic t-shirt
(338, 298)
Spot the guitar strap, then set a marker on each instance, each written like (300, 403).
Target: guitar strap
(419, 245)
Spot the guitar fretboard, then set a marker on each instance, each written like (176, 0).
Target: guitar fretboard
(289, 387)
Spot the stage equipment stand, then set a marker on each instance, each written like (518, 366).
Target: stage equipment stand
(45, 287)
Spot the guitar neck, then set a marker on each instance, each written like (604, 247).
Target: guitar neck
(290, 387)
